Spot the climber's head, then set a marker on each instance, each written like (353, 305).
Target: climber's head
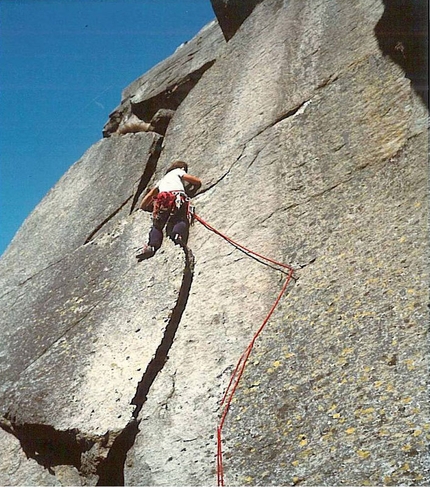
(178, 165)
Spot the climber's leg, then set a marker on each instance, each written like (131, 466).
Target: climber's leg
(178, 227)
(155, 239)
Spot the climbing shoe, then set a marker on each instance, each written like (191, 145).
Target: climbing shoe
(145, 253)
(178, 240)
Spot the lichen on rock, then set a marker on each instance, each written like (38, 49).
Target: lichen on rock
(312, 146)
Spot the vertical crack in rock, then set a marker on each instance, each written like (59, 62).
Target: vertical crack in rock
(101, 456)
(111, 470)
(161, 355)
(402, 34)
(151, 166)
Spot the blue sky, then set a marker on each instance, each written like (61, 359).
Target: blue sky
(63, 65)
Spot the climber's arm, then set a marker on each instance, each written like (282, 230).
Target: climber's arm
(194, 181)
(146, 204)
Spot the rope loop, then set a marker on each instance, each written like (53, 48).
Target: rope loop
(241, 364)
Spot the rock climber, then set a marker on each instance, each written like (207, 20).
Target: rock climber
(169, 204)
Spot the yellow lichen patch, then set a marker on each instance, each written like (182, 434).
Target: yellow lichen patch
(363, 453)
(407, 447)
(350, 431)
(417, 433)
(372, 280)
(327, 436)
(405, 467)
(383, 432)
(305, 453)
(289, 355)
(336, 415)
(364, 412)
(347, 351)
(248, 479)
(276, 364)
(402, 239)
(295, 463)
(378, 383)
(342, 361)
(410, 364)
(406, 400)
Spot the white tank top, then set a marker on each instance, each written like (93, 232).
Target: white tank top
(172, 181)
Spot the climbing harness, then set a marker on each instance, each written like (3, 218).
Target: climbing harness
(169, 201)
(241, 364)
(172, 201)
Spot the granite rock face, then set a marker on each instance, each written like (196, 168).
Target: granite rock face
(166, 85)
(92, 194)
(312, 146)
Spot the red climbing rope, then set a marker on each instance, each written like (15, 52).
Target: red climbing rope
(241, 364)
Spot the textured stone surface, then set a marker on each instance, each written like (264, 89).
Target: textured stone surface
(290, 152)
(99, 321)
(94, 191)
(313, 149)
(109, 321)
(169, 82)
(339, 380)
